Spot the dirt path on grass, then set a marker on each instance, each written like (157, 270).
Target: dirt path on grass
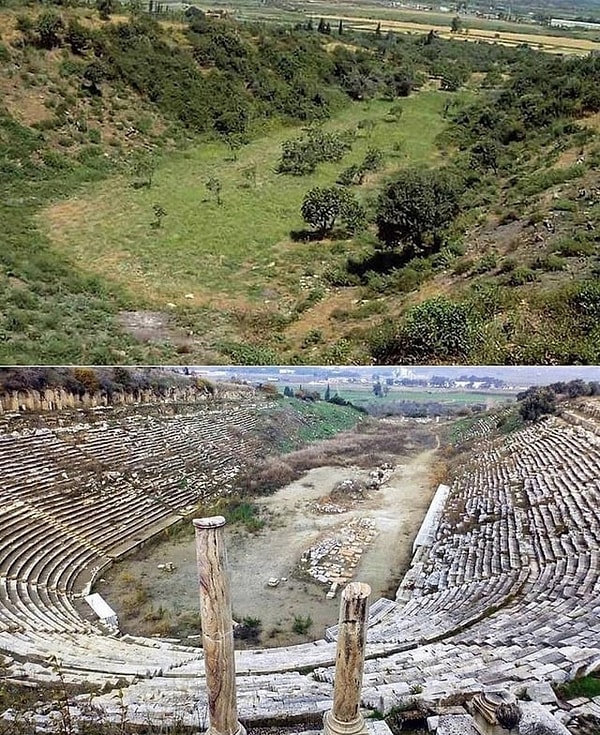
(396, 509)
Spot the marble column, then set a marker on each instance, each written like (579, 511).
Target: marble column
(217, 626)
(345, 717)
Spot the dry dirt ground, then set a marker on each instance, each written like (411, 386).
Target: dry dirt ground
(397, 508)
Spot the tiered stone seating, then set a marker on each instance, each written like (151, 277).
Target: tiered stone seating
(77, 495)
(506, 590)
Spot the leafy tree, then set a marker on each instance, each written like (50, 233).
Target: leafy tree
(456, 24)
(415, 209)
(88, 379)
(340, 28)
(322, 207)
(122, 376)
(538, 402)
(49, 28)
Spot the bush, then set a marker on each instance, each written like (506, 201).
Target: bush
(49, 27)
(550, 263)
(521, 275)
(373, 160)
(586, 300)
(77, 37)
(301, 625)
(435, 330)
(487, 263)
(575, 247)
(463, 266)
(351, 176)
(300, 156)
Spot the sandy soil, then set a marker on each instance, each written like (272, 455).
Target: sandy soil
(397, 508)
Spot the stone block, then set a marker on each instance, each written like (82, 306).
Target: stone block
(457, 725)
(542, 692)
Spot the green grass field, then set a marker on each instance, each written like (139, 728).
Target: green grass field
(213, 252)
(463, 397)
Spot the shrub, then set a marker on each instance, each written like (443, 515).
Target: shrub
(351, 176)
(574, 247)
(508, 265)
(522, 274)
(77, 37)
(463, 266)
(49, 27)
(301, 625)
(339, 276)
(487, 263)
(437, 329)
(586, 300)
(300, 156)
(373, 160)
(550, 263)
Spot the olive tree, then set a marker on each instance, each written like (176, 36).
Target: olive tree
(416, 208)
(322, 207)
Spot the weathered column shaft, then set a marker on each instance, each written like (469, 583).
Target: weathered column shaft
(217, 625)
(345, 715)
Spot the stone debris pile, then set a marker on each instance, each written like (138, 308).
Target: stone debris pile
(334, 559)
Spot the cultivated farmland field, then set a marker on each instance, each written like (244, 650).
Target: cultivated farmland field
(366, 16)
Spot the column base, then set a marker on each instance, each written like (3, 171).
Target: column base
(240, 731)
(333, 726)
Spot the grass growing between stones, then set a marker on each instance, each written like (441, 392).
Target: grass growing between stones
(587, 686)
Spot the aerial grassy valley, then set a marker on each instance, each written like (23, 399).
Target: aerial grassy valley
(202, 186)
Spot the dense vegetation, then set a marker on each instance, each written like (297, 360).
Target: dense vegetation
(106, 381)
(538, 401)
(502, 232)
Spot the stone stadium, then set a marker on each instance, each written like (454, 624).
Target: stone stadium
(501, 599)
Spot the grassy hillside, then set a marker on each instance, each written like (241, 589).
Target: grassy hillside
(146, 220)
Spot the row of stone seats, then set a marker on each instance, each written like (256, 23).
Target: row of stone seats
(70, 509)
(98, 658)
(493, 526)
(509, 620)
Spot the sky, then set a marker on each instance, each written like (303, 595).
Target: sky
(517, 375)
